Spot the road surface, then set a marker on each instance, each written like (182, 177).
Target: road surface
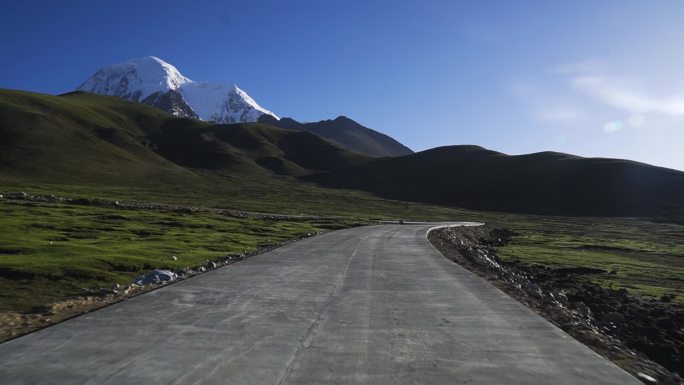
(371, 305)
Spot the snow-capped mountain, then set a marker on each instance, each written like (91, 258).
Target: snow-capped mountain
(152, 81)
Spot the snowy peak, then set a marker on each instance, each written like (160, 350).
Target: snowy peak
(135, 79)
(154, 72)
(152, 81)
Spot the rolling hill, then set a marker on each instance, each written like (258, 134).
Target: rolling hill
(81, 139)
(541, 183)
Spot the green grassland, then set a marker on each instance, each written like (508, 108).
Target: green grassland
(646, 258)
(50, 252)
(252, 193)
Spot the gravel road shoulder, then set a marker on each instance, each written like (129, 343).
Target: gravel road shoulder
(644, 336)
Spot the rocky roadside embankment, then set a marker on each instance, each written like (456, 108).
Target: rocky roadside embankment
(644, 336)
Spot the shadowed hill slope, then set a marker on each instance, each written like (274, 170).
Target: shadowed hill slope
(347, 133)
(543, 183)
(80, 137)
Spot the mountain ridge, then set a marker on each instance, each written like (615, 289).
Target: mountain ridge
(348, 133)
(154, 82)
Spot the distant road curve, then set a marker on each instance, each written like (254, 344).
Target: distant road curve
(368, 305)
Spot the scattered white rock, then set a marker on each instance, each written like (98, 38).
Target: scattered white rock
(534, 291)
(174, 258)
(561, 297)
(116, 288)
(156, 276)
(647, 378)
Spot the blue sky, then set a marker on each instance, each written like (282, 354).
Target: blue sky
(593, 78)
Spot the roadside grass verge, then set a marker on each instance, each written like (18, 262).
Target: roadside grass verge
(50, 252)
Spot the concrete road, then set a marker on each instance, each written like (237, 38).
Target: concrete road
(372, 305)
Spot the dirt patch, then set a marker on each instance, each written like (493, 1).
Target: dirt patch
(644, 336)
(13, 324)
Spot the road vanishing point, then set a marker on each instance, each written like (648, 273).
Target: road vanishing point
(367, 305)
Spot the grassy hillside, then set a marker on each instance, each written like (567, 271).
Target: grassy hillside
(80, 138)
(81, 135)
(86, 145)
(89, 144)
(541, 183)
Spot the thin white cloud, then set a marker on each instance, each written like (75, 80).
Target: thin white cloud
(622, 95)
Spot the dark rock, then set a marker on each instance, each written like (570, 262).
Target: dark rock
(614, 317)
(172, 102)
